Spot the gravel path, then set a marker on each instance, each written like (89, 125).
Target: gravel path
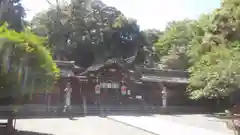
(79, 126)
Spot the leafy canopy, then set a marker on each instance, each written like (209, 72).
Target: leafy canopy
(209, 47)
(214, 53)
(26, 65)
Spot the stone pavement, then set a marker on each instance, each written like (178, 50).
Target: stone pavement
(174, 125)
(198, 120)
(90, 125)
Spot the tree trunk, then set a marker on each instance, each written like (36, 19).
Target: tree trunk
(218, 102)
(3, 7)
(9, 125)
(11, 116)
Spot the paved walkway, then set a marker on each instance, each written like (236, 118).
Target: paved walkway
(79, 126)
(168, 125)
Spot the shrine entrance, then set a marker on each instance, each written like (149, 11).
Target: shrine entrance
(110, 96)
(106, 83)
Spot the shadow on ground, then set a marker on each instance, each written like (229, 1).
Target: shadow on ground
(105, 111)
(20, 132)
(216, 115)
(71, 116)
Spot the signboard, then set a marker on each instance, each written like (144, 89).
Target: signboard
(112, 70)
(115, 85)
(129, 92)
(109, 85)
(138, 97)
(97, 89)
(124, 90)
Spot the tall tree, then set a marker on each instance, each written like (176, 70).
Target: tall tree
(26, 65)
(173, 44)
(152, 36)
(91, 30)
(12, 12)
(215, 53)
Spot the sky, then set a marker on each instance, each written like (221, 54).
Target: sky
(148, 13)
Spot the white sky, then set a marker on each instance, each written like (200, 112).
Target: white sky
(148, 13)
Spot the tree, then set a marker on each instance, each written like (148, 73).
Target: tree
(90, 30)
(172, 46)
(215, 53)
(12, 11)
(215, 75)
(209, 47)
(176, 59)
(26, 65)
(201, 28)
(152, 36)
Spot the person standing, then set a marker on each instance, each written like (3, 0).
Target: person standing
(68, 91)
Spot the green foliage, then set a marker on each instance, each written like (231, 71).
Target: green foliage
(12, 12)
(209, 47)
(215, 74)
(92, 30)
(176, 59)
(176, 34)
(151, 36)
(26, 65)
(172, 46)
(214, 53)
(199, 43)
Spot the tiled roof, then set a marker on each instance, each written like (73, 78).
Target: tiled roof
(95, 67)
(67, 64)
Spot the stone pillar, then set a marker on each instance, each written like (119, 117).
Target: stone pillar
(84, 106)
(49, 101)
(149, 60)
(164, 97)
(80, 94)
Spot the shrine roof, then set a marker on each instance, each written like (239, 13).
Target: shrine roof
(98, 66)
(67, 64)
(95, 67)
